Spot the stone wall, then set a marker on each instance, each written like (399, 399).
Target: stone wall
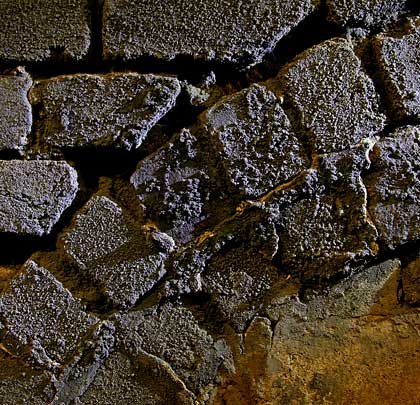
(209, 202)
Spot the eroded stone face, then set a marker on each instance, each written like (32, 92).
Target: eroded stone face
(40, 319)
(394, 188)
(253, 136)
(234, 31)
(31, 32)
(324, 232)
(399, 65)
(114, 110)
(15, 112)
(336, 101)
(34, 194)
(171, 333)
(126, 261)
(365, 13)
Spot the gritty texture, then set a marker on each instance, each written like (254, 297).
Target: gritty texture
(336, 101)
(125, 262)
(243, 225)
(232, 31)
(30, 32)
(136, 379)
(47, 334)
(394, 187)
(173, 334)
(365, 13)
(325, 231)
(34, 194)
(114, 110)
(399, 66)
(411, 282)
(15, 112)
(255, 141)
(177, 184)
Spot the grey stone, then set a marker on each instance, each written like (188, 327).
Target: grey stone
(40, 318)
(231, 31)
(335, 100)
(327, 230)
(125, 262)
(21, 384)
(232, 264)
(15, 111)
(255, 141)
(175, 185)
(411, 282)
(394, 187)
(399, 65)
(115, 110)
(34, 194)
(366, 13)
(98, 229)
(136, 379)
(35, 32)
(171, 333)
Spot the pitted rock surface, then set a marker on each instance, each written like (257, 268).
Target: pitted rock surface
(33, 201)
(30, 32)
(114, 110)
(365, 13)
(127, 263)
(335, 99)
(255, 141)
(234, 31)
(16, 112)
(399, 65)
(209, 202)
(47, 334)
(394, 186)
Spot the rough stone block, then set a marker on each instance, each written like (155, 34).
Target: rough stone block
(172, 334)
(365, 13)
(335, 100)
(114, 110)
(40, 319)
(34, 194)
(125, 262)
(138, 379)
(175, 184)
(15, 111)
(33, 31)
(394, 187)
(399, 65)
(255, 141)
(231, 31)
(324, 232)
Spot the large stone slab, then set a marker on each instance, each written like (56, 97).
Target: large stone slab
(336, 101)
(394, 187)
(365, 13)
(173, 334)
(31, 31)
(327, 229)
(232, 31)
(34, 194)
(40, 319)
(399, 65)
(114, 110)
(124, 261)
(15, 110)
(255, 141)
